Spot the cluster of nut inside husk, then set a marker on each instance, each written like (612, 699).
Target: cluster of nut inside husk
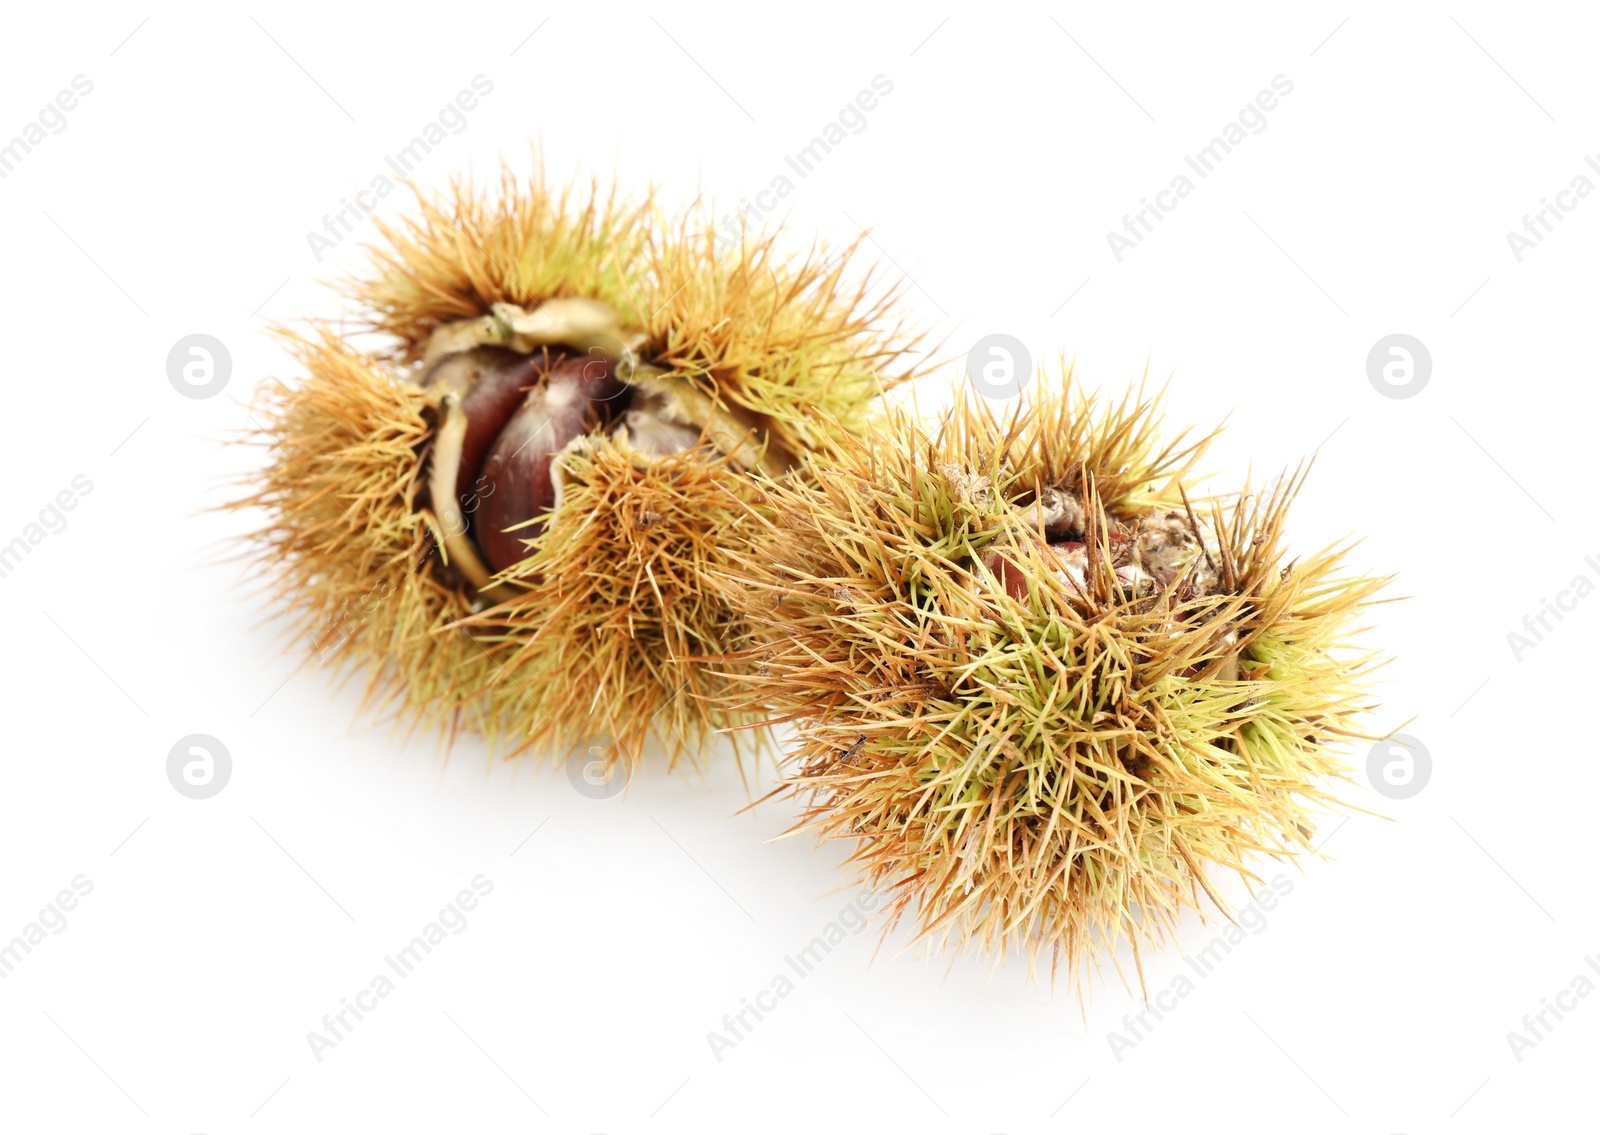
(1146, 554)
(517, 390)
(1039, 693)
(510, 510)
(616, 480)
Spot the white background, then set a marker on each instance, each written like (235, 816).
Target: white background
(1379, 996)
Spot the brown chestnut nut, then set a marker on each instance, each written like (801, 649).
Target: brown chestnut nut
(492, 383)
(668, 414)
(515, 485)
(490, 406)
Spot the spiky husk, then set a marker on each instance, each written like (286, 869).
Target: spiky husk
(610, 637)
(619, 634)
(1057, 770)
(348, 551)
(807, 342)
